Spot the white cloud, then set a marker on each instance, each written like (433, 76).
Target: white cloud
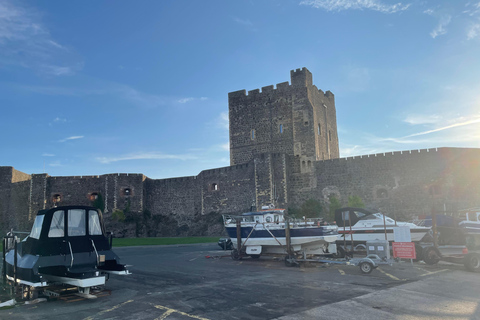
(416, 119)
(339, 5)
(26, 42)
(223, 121)
(145, 156)
(185, 100)
(460, 122)
(71, 138)
(473, 31)
(440, 29)
(226, 146)
(48, 155)
(247, 22)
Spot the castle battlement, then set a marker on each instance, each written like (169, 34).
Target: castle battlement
(299, 78)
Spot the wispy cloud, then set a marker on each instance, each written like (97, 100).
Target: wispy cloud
(473, 31)
(48, 155)
(339, 5)
(244, 22)
(441, 29)
(454, 125)
(416, 119)
(184, 100)
(26, 42)
(71, 138)
(145, 156)
(223, 121)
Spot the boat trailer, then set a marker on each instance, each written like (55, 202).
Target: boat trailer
(366, 264)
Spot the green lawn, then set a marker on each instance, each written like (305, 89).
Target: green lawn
(127, 242)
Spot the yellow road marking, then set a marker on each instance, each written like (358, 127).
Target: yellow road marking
(169, 311)
(388, 274)
(108, 310)
(432, 272)
(341, 272)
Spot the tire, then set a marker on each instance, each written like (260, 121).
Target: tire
(288, 262)
(235, 255)
(366, 267)
(431, 256)
(255, 256)
(418, 252)
(472, 262)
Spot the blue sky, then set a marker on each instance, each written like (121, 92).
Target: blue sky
(96, 87)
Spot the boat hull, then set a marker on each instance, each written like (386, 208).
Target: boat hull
(364, 235)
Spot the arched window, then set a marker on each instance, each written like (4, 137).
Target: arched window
(56, 198)
(93, 196)
(253, 134)
(214, 187)
(281, 128)
(319, 129)
(127, 192)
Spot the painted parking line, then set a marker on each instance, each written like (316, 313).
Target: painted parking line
(169, 311)
(341, 272)
(108, 310)
(432, 272)
(389, 275)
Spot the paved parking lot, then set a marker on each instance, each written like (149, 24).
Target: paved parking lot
(196, 282)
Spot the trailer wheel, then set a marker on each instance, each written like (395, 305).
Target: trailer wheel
(472, 262)
(431, 256)
(235, 255)
(289, 261)
(366, 267)
(255, 256)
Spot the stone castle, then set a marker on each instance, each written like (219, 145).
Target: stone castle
(283, 150)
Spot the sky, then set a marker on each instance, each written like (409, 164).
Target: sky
(98, 87)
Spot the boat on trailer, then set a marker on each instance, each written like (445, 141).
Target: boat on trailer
(268, 231)
(359, 225)
(67, 245)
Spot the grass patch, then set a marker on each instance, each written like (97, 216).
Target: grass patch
(128, 242)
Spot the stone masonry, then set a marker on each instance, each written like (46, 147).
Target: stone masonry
(283, 151)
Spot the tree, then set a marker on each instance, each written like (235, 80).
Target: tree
(356, 202)
(311, 209)
(334, 205)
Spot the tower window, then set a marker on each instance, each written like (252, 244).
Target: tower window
(214, 187)
(281, 128)
(253, 134)
(56, 198)
(319, 129)
(329, 135)
(127, 192)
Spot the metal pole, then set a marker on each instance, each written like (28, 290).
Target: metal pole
(287, 237)
(434, 227)
(239, 236)
(351, 233)
(4, 269)
(384, 226)
(14, 261)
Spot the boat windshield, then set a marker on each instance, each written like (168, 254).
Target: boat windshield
(387, 219)
(37, 227)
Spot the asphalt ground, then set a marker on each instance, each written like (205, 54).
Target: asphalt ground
(202, 282)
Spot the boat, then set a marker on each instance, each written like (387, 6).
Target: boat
(359, 225)
(67, 245)
(264, 232)
(458, 228)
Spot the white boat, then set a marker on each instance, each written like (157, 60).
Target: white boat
(361, 225)
(264, 232)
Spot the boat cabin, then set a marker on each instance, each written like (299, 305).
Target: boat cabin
(66, 229)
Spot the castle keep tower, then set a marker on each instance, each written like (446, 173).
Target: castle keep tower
(298, 120)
